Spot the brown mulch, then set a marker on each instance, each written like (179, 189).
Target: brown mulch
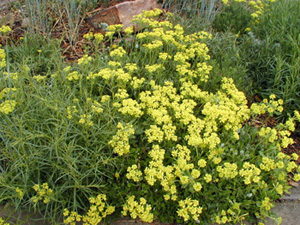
(71, 49)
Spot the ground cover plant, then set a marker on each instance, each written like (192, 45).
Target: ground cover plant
(140, 129)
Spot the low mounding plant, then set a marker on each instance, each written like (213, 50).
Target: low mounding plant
(132, 132)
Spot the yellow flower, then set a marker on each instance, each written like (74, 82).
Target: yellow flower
(88, 36)
(120, 141)
(296, 177)
(134, 173)
(128, 30)
(225, 2)
(7, 106)
(195, 173)
(197, 186)
(266, 204)
(5, 29)
(201, 163)
(84, 60)
(295, 156)
(2, 222)
(118, 52)
(98, 37)
(208, 178)
(73, 76)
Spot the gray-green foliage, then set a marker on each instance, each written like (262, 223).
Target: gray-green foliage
(192, 8)
(41, 144)
(44, 16)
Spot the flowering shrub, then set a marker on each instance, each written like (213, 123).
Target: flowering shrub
(140, 131)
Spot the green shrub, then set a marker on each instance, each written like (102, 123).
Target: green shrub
(133, 132)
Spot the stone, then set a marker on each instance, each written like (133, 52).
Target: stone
(121, 13)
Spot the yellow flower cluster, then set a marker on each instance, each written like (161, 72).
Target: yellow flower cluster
(154, 134)
(97, 36)
(154, 68)
(250, 173)
(115, 27)
(181, 168)
(98, 210)
(128, 30)
(11, 76)
(2, 58)
(84, 60)
(73, 76)
(112, 29)
(109, 73)
(39, 78)
(71, 110)
(181, 122)
(118, 53)
(228, 170)
(270, 133)
(121, 93)
(20, 192)
(120, 141)
(156, 170)
(96, 107)
(2, 222)
(138, 209)
(136, 82)
(291, 166)
(5, 29)
(7, 106)
(130, 107)
(72, 217)
(189, 209)
(266, 204)
(88, 36)
(105, 98)
(267, 164)
(258, 7)
(7, 92)
(86, 120)
(225, 217)
(134, 173)
(43, 192)
(271, 106)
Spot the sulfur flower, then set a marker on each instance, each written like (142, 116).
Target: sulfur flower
(5, 29)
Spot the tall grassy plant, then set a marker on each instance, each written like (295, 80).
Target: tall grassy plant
(46, 16)
(272, 51)
(192, 8)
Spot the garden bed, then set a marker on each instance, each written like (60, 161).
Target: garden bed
(154, 128)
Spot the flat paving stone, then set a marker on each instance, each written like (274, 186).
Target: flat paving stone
(288, 209)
